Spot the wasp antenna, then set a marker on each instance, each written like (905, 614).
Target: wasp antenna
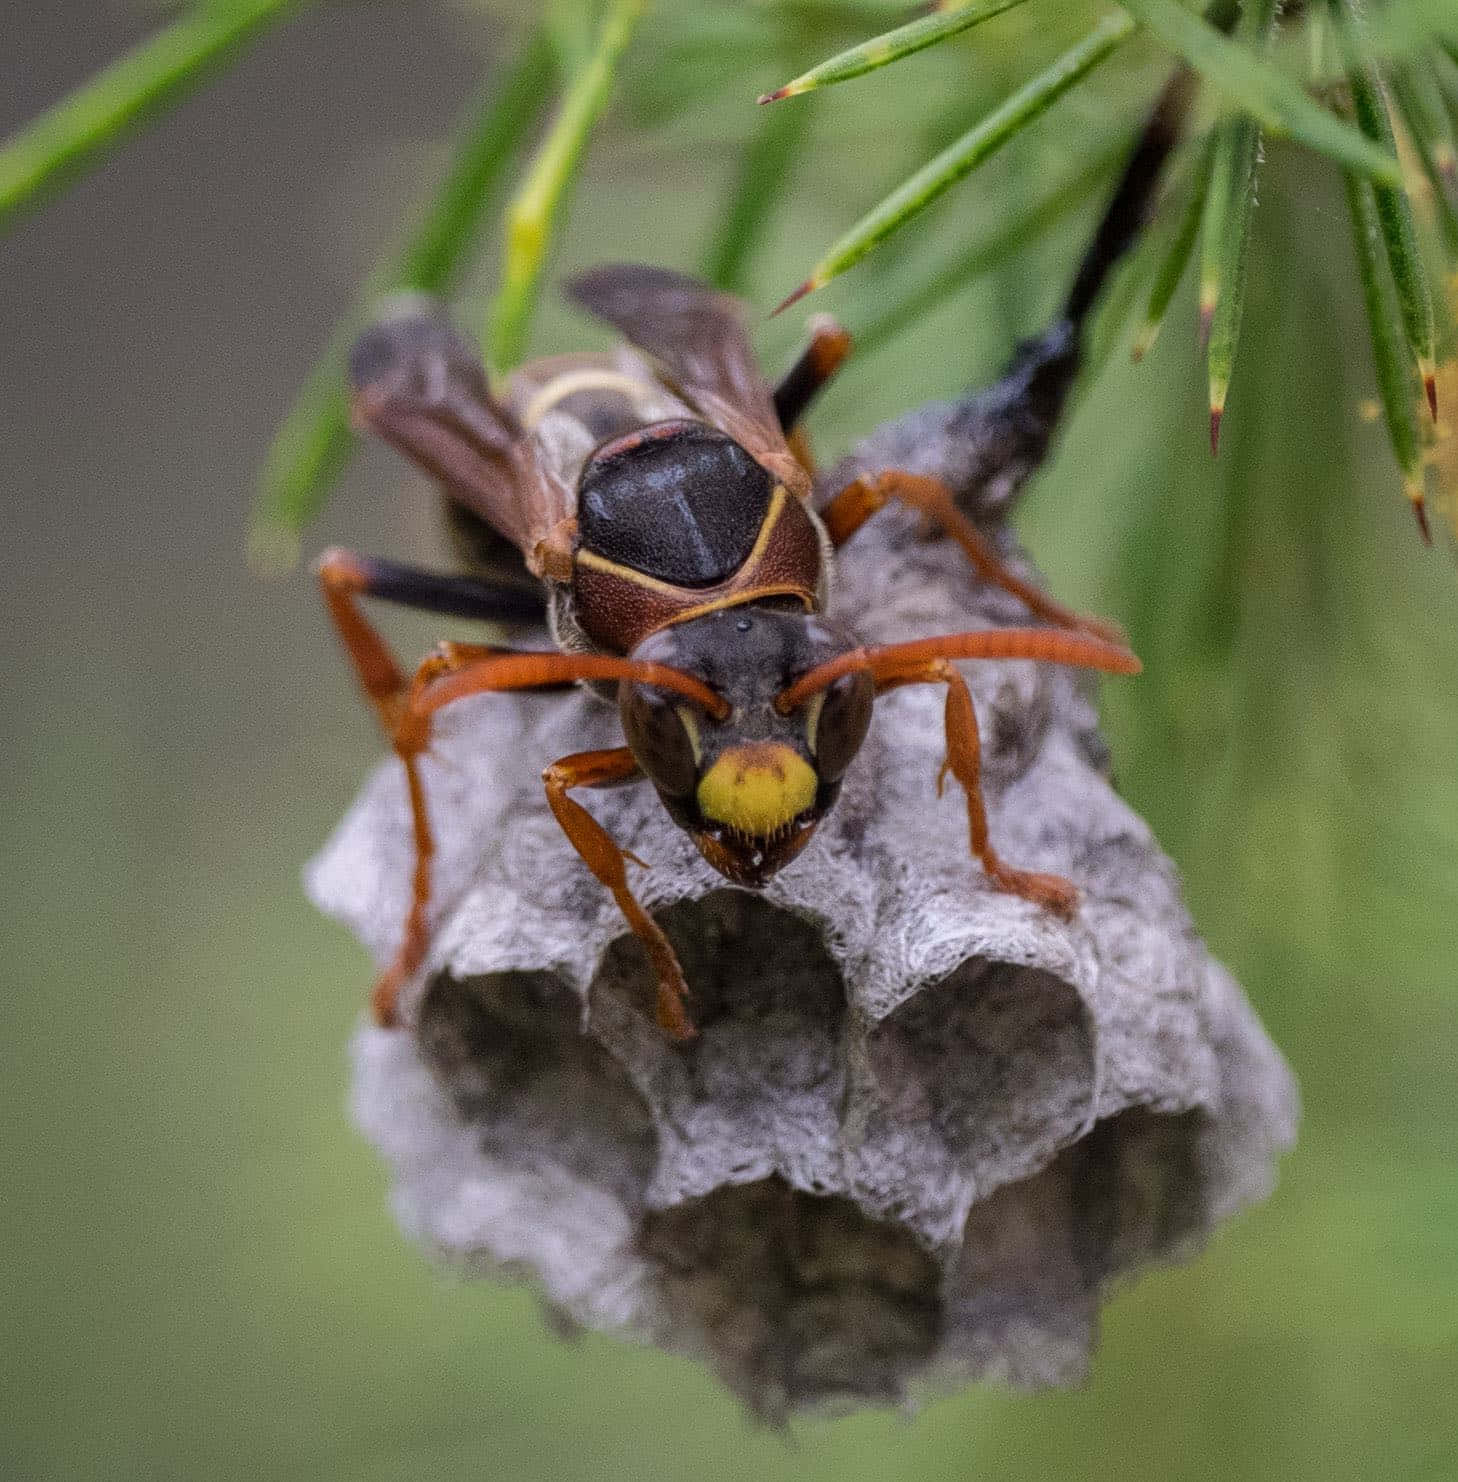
(1216, 413)
(893, 664)
(515, 669)
(821, 677)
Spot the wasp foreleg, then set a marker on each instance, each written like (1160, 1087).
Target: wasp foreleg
(456, 670)
(603, 856)
(930, 661)
(964, 762)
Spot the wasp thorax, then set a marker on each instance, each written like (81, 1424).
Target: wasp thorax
(675, 519)
(679, 502)
(751, 787)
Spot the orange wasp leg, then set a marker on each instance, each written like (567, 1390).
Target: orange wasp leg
(863, 497)
(964, 762)
(929, 661)
(456, 670)
(453, 670)
(607, 860)
(409, 739)
(344, 579)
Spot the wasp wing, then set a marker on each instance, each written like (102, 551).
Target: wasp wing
(421, 387)
(697, 336)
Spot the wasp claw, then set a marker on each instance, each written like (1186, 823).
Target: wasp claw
(1052, 892)
(382, 999)
(673, 1020)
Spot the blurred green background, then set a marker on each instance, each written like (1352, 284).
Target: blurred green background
(201, 1275)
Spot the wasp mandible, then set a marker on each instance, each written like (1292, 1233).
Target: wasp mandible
(656, 506)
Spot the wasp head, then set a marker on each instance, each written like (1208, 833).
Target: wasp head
(750, 788)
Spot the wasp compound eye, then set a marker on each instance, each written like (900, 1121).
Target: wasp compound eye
(836, 721)
(661, 731)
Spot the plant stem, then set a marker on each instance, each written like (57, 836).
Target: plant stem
(314, 442)
(532, 214)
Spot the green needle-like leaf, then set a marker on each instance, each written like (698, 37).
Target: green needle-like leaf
(1389, 354)
(1222, 282)
(1422, 106)
(1237, 163)
(765, 166)
(881, 51)
(76, 131)
(1176, 258)
(1433, 141)
(1445, 79)
(1225, 165)
(1411, 27)
(1278, 103)
(532, 214)
(902, 307)
(1394, 210)
(315, 441)
(961, 158)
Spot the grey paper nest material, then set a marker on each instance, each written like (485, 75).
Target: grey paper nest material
(924, 1123)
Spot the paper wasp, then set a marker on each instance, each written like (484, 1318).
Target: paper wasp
(652, 506)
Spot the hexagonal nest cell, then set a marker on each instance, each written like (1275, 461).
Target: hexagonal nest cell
(924, 1123)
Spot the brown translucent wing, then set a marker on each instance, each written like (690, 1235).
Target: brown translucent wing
(421, 386)
(697, 336)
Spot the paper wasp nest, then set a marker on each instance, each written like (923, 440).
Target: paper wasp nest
(924, 1123)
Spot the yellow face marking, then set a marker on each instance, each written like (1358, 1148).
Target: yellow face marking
(757, 788)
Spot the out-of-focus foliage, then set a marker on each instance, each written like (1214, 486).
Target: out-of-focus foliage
(314, 443)
(139, 84)
(532, 212)
(589, 39)
(202, 1276)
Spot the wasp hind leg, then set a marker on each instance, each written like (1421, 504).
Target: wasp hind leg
(410, 736)
(345, 578)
